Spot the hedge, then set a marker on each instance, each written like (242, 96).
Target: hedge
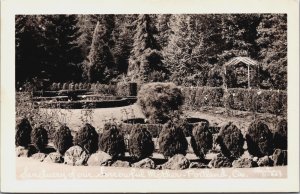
(84, 104)
(203, 96)
(262, 101)
(127, 88)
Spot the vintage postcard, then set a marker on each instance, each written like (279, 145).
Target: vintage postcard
(150, 96)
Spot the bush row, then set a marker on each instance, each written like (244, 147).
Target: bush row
(171, 139)
(257, 100)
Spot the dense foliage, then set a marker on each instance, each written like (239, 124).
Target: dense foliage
(63, 139)
(187, 49)
(172, 140)
(87, 138)
(140, 142)
(111, 141)
(23, 131)
(39, 138)
(159, 101)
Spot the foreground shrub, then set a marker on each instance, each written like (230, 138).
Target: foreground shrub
(87, 138)
(111, 141)
(39, 138)
(23, 131)
(159, 100)
(259, 139)
(140, 143)
(280, 135)
(63, 139)
(201, 140)
(231, 140)
(172, 140)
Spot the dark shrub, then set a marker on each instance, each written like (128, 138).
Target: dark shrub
(87, 138)
(201, 140)
(159, 100)
(111, 141)
(63, 139)
(171, 140)
(231, 140)
(39, 138)
(23, 131)
(259, 139)
(280, 135)
(140, 142)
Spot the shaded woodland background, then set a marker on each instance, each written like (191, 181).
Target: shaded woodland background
(188, 50)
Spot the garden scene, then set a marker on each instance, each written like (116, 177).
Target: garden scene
(157, 92)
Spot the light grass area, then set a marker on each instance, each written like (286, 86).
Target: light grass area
(75, 118)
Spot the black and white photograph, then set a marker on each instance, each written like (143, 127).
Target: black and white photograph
(152, 96)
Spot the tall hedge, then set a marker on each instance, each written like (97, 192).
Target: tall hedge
(140, 142)
(87, 138)
(63, 139)
(158, 101)
(111, 140)
(172, 140)
(23, 131)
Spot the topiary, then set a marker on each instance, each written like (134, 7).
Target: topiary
(280, 135)
(63, 139)
(231, 140)
(87, 138)
(23, 131)
(111, 141)
(259, 139)
(140, 143)
(39, 138)
(201, 139)
(159, 100)
(172, 140)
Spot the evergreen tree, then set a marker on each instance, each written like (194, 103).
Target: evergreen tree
(163, 29)
(145, 58)
(272, 41)
(101, 66)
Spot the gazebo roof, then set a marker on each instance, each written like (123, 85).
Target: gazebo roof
(245, 60)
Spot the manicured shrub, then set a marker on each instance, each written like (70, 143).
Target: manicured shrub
(140, 142)
(111, 141)
(172, 140)
(87, 138)
(39, 138)
(59, 86)
(201, 140)
(23, 131)
(65, 86)
(159, 100)
(63, 139)
(80, 86)
(76, 86)
(280, 135)
(231, 140)
(259, 139)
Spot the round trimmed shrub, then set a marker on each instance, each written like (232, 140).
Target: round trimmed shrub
(280, 135)
(63, 139)
(112, 141)
(65, 86)
(140, 142)
(87, 138)
(39, 138)
(231, 140)
(172, 140)
(23, 131)
(158, 101)
(259, 139)
(201, 139)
